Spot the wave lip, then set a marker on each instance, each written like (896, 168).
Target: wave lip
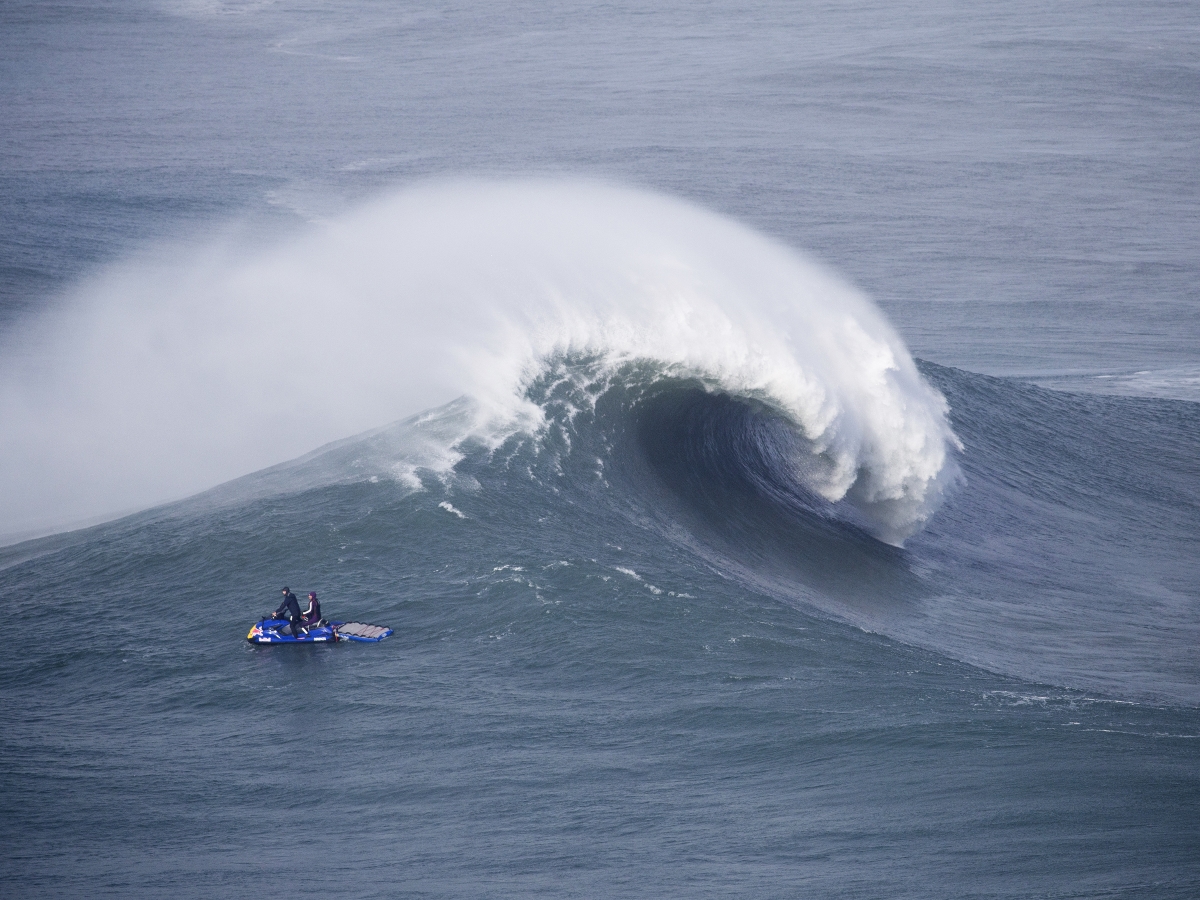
(452, 289)
(713, 432)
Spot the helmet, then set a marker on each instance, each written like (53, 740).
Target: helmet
(312, 595)
(286, 589)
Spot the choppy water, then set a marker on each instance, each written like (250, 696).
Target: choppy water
(701, 586)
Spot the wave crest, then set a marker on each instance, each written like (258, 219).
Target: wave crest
(701, 426)
(440, 291)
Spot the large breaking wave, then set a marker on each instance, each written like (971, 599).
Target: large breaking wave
(163, 377)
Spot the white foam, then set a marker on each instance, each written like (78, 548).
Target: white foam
(157, 380)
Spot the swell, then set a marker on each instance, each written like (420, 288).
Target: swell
(1066, 555)
(730, 476)
(1070, 553)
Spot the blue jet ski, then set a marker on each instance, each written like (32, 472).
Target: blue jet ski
(279, 631)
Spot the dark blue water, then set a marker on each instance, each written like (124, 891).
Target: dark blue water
(585, 697)
(643, 648)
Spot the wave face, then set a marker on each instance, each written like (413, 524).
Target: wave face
(1061, 558)
(169, 375)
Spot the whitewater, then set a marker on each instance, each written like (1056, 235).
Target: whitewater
(159, 380)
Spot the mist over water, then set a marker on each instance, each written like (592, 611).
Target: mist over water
(163, 377)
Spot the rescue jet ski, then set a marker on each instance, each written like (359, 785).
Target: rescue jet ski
(279, 631)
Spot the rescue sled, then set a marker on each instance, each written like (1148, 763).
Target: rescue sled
(279, 631)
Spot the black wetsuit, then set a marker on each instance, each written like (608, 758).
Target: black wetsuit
(291, 608)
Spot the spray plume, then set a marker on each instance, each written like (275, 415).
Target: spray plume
(158, 379)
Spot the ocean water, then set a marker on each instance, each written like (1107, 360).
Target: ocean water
(771, 432)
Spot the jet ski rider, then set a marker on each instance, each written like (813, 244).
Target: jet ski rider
(312, 615)
(290, 607)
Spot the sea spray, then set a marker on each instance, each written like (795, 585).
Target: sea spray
(154, 381)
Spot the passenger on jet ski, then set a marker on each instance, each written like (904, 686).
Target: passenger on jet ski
(290, 609)
(312, 615)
